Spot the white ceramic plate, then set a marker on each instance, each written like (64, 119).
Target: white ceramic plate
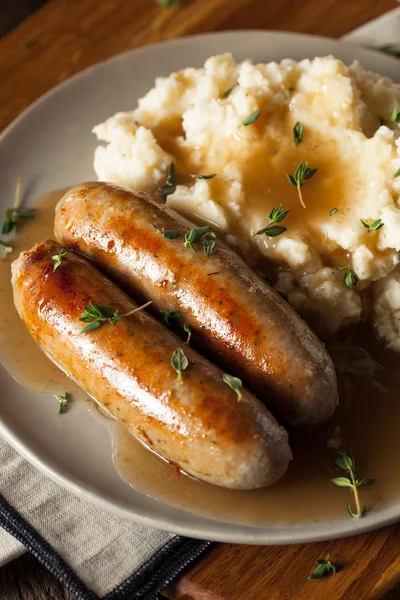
(52, 145)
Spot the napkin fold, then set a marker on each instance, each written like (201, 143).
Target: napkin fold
(93, 553)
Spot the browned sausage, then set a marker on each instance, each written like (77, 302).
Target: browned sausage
(238, 320)
(198, 422)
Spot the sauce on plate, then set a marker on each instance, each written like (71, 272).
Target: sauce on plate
(367, 423)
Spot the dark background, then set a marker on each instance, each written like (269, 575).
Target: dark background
(14, 11)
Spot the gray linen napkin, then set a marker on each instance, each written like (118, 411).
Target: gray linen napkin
(104, 550)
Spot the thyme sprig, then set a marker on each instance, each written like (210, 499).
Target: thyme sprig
(194, 235)
(374, 226)
(96, 314)
(62, 402)
(325, 567)
(59, 258)
(346, 463)
(14, 214)
(275, 216)
(301, 174)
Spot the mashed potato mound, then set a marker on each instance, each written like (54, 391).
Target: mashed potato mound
(194, 119)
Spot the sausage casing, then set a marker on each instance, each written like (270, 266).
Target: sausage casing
(237, 319)
(198, 423)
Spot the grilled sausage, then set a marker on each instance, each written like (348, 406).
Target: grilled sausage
(198, 423)
(237, 319)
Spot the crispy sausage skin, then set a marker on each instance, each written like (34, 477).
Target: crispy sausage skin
(237, 319)
(198, 422)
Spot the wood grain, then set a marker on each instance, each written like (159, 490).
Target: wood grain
(62, 38)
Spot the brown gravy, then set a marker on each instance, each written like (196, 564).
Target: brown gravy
(367, 423)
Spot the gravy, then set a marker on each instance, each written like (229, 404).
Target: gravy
(367, 423)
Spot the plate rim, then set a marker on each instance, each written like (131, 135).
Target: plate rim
(251, 534)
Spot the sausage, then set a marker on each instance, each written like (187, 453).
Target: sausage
(197, 423)
(237, 319)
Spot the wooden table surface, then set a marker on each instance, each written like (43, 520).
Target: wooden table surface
(62, 38)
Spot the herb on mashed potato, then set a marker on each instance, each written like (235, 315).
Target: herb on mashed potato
(185, 120)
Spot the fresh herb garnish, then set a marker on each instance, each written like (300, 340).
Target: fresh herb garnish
(374, 226)
(297, 133)
(6, 249)
(205, 176)
(189, 333)
(59, 258)
(234, 383)
(345, 462)
(324, 568)
(62, 402)
(350, 278)
(96, 314)
(168, 2)
(275, 216)
(395, 115)
(171, 315)
(301, 174)
(392, 49)
(227, 93)
(14, 214)
(250, 119)
(209, 243)
(397, 174)
(195, 235)
(179, 362)
(168, 234)
(170, 183)
(333, 212)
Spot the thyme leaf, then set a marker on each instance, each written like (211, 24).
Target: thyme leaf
(234, 383)
(297, 133)
(350, 278)
(252, 118)
(275, 216)
(168, 234)
(6, 249)
(333, 212)
(170, 183)
(59, 258)
(96, 314)
(170, 316)
(209, 243)
(179, 362)
(395, 115)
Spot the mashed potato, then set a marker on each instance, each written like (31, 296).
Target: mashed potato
(194, 119)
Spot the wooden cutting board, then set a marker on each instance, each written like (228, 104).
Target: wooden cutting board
(66, 36)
